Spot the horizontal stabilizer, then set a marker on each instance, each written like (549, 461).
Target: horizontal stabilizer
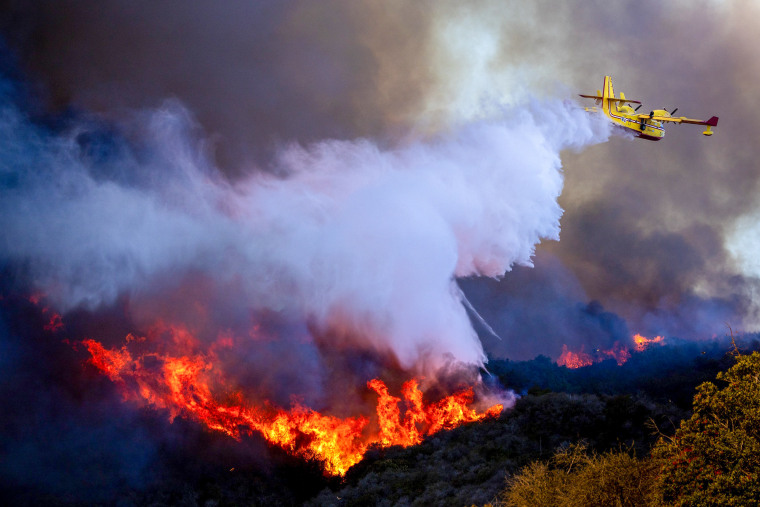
(712, 122)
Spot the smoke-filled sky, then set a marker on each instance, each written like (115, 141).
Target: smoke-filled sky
(662, 235)
(332, 178)
(332, 94)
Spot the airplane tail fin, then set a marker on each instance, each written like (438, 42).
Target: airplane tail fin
(607, 95)
(602, 95)
(609, 92)
(712, 122)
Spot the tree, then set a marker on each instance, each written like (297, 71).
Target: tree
(714, 457)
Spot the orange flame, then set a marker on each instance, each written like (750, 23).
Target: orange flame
(618, 352)
(574, 359)
(570, 359)
(642, 343)
(186, 386)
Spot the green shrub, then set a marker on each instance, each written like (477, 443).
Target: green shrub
(714, 457)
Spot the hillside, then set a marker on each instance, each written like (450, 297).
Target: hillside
(605, 405)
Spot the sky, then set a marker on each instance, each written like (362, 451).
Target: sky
(356, 189)
(659, 236)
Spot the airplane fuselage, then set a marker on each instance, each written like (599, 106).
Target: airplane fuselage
(650, 130)
(646, 126)
(623, 115)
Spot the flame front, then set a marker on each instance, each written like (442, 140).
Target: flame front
(642, 342)
(618, 352)
(574, 359)
(188, 386)
(570, 359)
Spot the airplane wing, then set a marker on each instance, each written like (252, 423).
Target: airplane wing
(712, 122)
(599, 97)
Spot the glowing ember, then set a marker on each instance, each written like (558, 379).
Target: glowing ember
(56, 321)
(54, 324)
(642, 343)
(188, 386)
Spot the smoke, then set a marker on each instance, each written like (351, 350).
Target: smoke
(546, 305)
(355, 240)
(259, 76)
(312, 178)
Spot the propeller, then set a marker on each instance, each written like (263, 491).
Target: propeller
(673, 111)
(637, 108)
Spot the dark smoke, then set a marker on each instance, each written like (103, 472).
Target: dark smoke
(256, 74)
(148, 116)
(335, 269)
(264, 73)
(65, 433)
(360, 244)
(546, 305)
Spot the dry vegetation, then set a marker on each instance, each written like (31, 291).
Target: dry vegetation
(713, 459)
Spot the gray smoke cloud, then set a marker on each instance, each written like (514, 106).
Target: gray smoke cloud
(650, 229)
(661, 234)
(318, 179)
(359, 241)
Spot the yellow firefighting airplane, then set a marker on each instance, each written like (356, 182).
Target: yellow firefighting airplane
(646, 126)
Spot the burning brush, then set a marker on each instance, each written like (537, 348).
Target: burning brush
(194, 386)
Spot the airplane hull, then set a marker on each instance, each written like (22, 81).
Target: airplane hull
(649, 138)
